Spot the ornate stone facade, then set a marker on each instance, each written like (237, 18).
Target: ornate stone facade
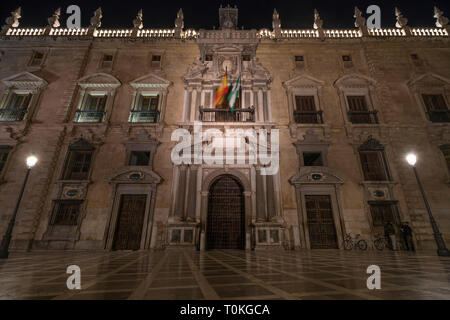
(117, 95)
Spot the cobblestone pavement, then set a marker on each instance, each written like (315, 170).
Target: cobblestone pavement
(225, 274)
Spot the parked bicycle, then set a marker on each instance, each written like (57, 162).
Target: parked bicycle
(380, 241)
(354, 243)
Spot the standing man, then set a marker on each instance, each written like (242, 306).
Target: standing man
(407, 236)
(389, 233)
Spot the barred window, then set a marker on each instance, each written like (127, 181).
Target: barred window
(382, 213)
(78, 165)
(95, 102)
(373, 165)
(65, 212)
(36, 59)
(107, 60)
(139, 158)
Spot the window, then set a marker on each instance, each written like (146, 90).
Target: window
(93, 109)
(107, 61)
(382, 213)
(416, 60)
(436, 106)
(312, 159)
(78, 165)
(36, 59)
(65, 212)
(347, 61)
(139, 158)
(4, 152)
(446, 152)
(208, 57)
(156, 61)
(146, 109)
(305, 110)
(148, 103)
(16, 107)
(373, 166)
(414, 56)
(358, 111)
(299, 62)
(246, 57)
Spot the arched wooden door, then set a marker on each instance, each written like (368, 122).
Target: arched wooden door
(226, 214)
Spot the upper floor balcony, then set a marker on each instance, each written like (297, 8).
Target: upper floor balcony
(308, 116)
(13, 114)
(89, 116)
(148, 116)
(225, 115)
(360, 117)
(439, 115)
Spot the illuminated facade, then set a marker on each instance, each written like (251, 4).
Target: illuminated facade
(98, 108)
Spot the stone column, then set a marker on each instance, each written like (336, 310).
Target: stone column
(271, 210)
(260, 106)
(260, 197)
(192, 193)
(204, 214)
(193, 103)
(255, 103)
(181, 190)
(248, 219)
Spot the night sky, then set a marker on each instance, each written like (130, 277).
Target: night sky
(204, 13)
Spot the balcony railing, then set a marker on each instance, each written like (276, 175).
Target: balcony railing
(439, 115)
(363, 116)
(311, 116)
(89, 116)
(12, 114)
(144, 116)
(225, 115)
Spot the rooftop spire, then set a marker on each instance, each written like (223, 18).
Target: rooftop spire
(401, 20)
(53, 21)
(138, 21)
(276, 24)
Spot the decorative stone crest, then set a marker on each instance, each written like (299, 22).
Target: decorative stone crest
(12, 21)
(441, 21)
(401, 20)
(276, 24)
(179, 23)
(197, 69)
(138, 21)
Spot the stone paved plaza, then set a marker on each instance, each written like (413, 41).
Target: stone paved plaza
(225, 274)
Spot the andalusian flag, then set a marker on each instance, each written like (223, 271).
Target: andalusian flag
(221, 93)
(234, 94)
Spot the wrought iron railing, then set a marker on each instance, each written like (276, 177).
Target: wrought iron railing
(225, 115)
(439, 115)
(312, 116)
(89, 116)
(144, 116)
(12, 114)
(370, 117)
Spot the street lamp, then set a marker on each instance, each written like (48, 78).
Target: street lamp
(31, 162)
(442, 249)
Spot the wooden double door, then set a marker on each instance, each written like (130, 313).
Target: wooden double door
(226, 215)
(130, 222)
(321, 227)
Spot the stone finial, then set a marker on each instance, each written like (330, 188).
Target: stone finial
(96, 20)
(12, 21)
(53, 21)
(276, 24)
(318, 23)
(138, 21)
(441, 21)
(401, 20)
(360, 21)
(179, 23)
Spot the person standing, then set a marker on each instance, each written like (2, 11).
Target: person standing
(389, 233)
(407, 236)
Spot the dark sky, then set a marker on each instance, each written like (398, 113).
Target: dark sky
(204, 13)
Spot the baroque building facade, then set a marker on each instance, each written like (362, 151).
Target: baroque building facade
(98, 108)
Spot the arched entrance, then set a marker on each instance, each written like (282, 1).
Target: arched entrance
(226, 214)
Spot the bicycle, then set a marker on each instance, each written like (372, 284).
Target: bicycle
(380, 242)
(353, 243)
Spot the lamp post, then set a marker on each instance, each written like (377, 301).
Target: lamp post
(31, 161)
(442, 249)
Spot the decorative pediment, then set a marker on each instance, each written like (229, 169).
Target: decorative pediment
(150, 80)
(353, 81)
(135, 174)
(303, 81)
(371, 144)
(81, 144)
(99, 80)
(428, 80)
(316, 175)
(24, 80)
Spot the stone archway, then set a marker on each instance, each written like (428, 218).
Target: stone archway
(208, 184)
(225, 227)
